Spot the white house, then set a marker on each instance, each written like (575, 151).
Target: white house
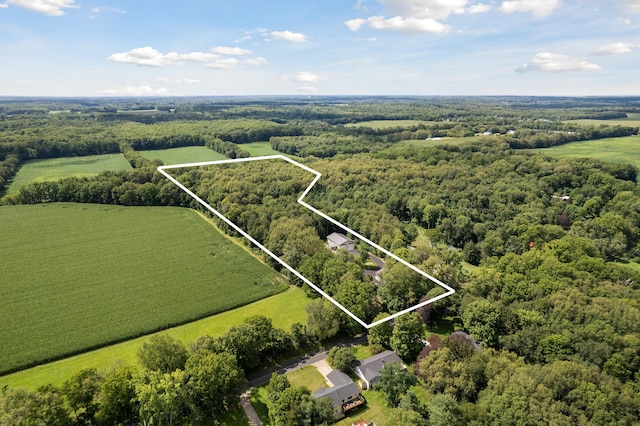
(344, 394)
(338, 241)
(369, 370)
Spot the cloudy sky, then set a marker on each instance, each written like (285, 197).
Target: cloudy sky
(323, 47)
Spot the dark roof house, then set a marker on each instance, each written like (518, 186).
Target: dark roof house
(344, 394)
(369, 369)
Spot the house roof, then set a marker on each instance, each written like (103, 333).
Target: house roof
(338, 238)
(372, 366)
(341, 390)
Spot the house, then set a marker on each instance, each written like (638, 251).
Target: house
(344, 394)
(338, 241)
(369, 370)
(362, 423)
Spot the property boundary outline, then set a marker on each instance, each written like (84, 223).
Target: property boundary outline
(448, 290)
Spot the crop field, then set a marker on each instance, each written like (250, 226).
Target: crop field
(284, 309)
(78, 276)
(187, 154)
(385, 124)
(60, 168)
(617, 150)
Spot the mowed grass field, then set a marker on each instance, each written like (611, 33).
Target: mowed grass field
(59, 168)
(617, 150)
(633, 120)
(385, 124)
(187, 154)
(258, 149)
(77, 276)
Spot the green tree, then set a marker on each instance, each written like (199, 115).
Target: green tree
(81, 392)
(162, 353)
(482, 320)
(395, 381)
(406, 338)
(444, 411)
(161, 396)
(323, 320)
(342, 358)
(117, 403)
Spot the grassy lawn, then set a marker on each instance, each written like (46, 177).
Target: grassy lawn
(284, 309)
(617, 150)
(258, 149)
(259, 401)
(633, 119)
(385, 124)
(77, 276)
(376, 410)
(308, 377)
(187, 154)
(444, 141)
(59, 168)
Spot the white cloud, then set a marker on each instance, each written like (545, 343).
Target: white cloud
(614, 49)
(222, 50)
(97, 11)
(255, 61)
(48, 7)
(148, 56)
(3, 5)
(479, 8)
(538, 8)
(307, 77)
(423, 9)
(223, 64)
(552, 62)
(408, 25)
(166, 80)
(141, 90)
(289, 36)
(632, 5)
(307, 89)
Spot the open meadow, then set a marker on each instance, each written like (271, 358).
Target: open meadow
(422, 143)
(59, 168)
(386, 124)
(258, 149)
(633, 119)
(617, 150)
(187, 154)
(80, 276)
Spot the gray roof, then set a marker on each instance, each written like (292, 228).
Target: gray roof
(343, 388)
(338, 238)
(372, 366)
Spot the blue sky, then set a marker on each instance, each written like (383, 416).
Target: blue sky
(328, 47)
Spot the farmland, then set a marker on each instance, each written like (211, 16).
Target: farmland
(82, 276)
(257, 149)
(386, 124)
(59, 168)
(617, 150)
(188, 154)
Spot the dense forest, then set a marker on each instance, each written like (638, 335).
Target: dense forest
(542, 251)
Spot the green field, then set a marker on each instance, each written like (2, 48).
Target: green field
(283, 308)
(76, 276)
(633, 119)
(385, 124)
(443, 141)
(257, 149)
(617, 150)
(308, 377)
(60, 168)
(187, 154)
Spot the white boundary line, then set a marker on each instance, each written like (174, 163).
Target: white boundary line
(449, 290)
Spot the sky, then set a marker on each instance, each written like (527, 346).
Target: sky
(324, 47)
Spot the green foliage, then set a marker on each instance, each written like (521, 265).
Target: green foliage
(406, 338)
(443, 411)
(162, 353)
(395, 381)
(43, 407)
(483, 321)
(293, 406)
(322, 320)
(342, 358)
(81, 392)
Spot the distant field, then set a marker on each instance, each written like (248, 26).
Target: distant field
(187, 154)
(257, 149)
(633, 119)
(76, 276)
(385, 124)
(59, 168)
(283, 308)
(443, 141)
(617, 150)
